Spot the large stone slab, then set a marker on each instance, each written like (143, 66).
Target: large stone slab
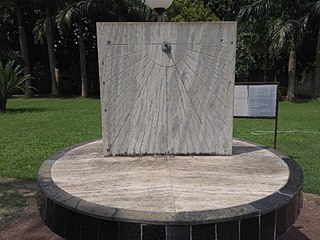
(176, 102)
(170, 183)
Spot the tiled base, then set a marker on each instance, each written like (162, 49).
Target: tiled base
(73, 225)
(265, 219)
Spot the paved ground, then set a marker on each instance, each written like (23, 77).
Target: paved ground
(19, 219)
(307, 226)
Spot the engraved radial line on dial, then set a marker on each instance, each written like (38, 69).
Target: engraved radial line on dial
(207, 84)
(126, 69)
(197, 119)
(158, 141)
(126, 115)
(157, 135)
(206, 70)
(153, 113)
(124, 102)
(201, 94)
(127, 100)
(151, 142)
(109, 59)
(208, 67)
(127, 97)
(215, 114)
(144, 142)
(178, 122)
(212, 45)
(125, 86)
(188, 105)
(116, 51)
(214, 86)
(206, 73)
(210, 63)
(203, 101)
(140, 112)
(221, 65)
(217, 56)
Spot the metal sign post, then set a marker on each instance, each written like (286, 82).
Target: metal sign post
(257, 100)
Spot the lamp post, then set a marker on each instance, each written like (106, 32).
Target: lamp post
(159, 6)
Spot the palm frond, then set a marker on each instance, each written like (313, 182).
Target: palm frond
(65, 17)
(315, 6)
(256, 9)
(282, 34)
(11, 78)
(40, 29)
(137, 10)
(72, 12)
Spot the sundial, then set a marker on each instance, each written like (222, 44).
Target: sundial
(167, 167)
(167, 88)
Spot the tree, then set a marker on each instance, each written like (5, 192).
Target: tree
(316, 91)
(23, 40)
(283, 19)
(313, 8)
(190, 11)
(8, 27)
(45, 29)
(132, 10)
(76, 13)
(227, 10)
(245, 61)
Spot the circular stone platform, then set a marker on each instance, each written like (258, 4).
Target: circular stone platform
(253, 194)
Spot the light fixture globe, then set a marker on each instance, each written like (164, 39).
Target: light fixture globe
(159, 5)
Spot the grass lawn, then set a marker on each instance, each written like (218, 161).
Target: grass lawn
(33, 129)
(298, 137)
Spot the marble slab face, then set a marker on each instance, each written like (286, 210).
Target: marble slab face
(167, 102)
(170, 184)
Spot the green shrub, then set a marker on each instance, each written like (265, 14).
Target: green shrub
(11, 79)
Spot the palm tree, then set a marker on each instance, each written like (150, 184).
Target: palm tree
(256, 16)
(283, 19)
(287, 36)
(23, 46)
(313, 8)
(45, 29)
(75, 12)
(133, 10)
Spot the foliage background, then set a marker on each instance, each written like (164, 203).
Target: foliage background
(254, 63)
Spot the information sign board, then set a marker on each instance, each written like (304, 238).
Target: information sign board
(255, 100)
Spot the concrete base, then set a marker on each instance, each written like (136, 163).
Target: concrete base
(253, 194)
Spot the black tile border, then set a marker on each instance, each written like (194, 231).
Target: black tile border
(229, 231)
(153, 232)
(250, 228)
(288, 197)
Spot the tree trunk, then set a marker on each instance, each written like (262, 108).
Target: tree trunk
(265, 66)
(51, 54)
(316, 89)
(291, 75)
(83, 64)
(23, 41)
(3, 104)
